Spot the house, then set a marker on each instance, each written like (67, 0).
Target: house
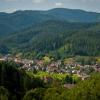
(2, 59)
(74, 71)
(40, 63)
(51, 68)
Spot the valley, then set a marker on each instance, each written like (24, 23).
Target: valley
(50, 55)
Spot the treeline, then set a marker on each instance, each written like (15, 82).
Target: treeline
(15, 83)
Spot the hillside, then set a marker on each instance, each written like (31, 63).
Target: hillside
(55, 38)
(12, 22)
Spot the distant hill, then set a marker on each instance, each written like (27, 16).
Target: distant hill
(19, 20)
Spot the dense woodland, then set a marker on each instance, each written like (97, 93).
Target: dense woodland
(55, 38)
(57, 32)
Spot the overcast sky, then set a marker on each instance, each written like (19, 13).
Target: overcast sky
(13, 5)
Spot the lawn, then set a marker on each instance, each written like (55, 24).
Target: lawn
(41, 74)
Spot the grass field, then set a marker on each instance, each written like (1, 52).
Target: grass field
(57, 76)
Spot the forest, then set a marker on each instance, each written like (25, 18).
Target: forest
(58, 32)
(54, 38)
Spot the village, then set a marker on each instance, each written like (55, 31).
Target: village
(69, 67)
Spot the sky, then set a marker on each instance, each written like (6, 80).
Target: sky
(13, 5)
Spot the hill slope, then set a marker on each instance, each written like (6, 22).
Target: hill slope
(56, 38)
(19, 20)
